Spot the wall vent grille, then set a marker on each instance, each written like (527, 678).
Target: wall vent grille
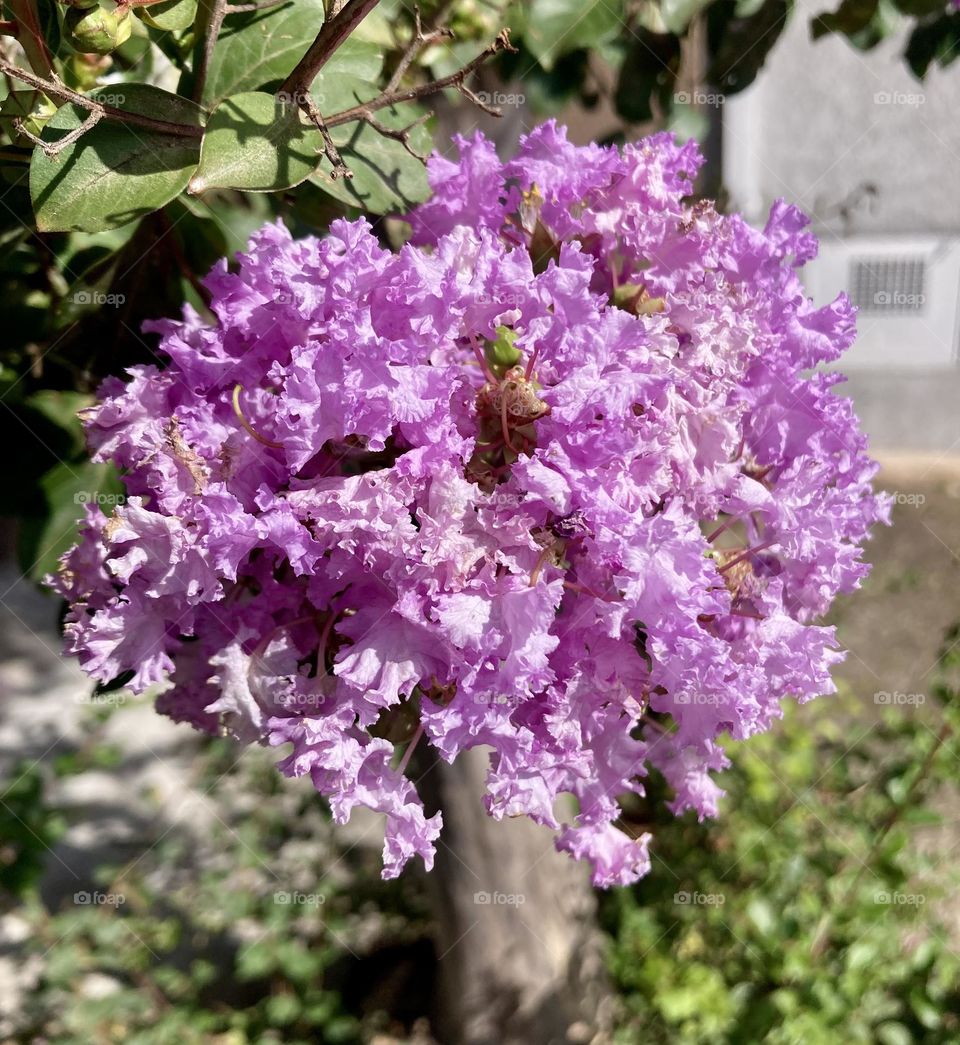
(891, 285)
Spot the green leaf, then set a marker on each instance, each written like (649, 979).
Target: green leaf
(648, 72)
(555, 27)
(687, 121)
(892, 1033)
(171, 16)
(67, 488)
(762, 915)
(740, 45)
(258, 49)
(933, 42)
(115, 172)
(357, 58)
(850, 17)
(33, 108)
(386, 176)
(255, 142)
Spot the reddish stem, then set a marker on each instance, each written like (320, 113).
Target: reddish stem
(505, 426)
(745, 554)
(414, 740)
(722, 528)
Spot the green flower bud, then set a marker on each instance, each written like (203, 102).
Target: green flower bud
(633, 297)
(83, 71)
(501, 353)
(31, 109)
(98, 30)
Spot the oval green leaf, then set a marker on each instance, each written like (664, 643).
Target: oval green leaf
(386, 176)
(556, 27)
(260, 49)
(116, 172)
(254, 141)
(171, 16)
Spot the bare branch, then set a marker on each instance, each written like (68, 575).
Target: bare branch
(330, 37)
(401, 134)
(412, 94)
(340, 169)
(56, 88)
(472, 96)
(55, 148)
(420, 41)
(210, 15)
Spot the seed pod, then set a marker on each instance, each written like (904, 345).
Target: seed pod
(502, 354)
(98, 30)
(83, 71)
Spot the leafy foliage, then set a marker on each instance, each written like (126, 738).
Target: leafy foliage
(809, 912)
(799, 949)
(267, 930)
(115, 173)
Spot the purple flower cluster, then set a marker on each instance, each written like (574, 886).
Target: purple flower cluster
(559, 478)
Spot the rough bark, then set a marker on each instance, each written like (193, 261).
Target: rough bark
(520, 954)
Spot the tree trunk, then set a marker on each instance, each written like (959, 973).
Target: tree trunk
(520, 954)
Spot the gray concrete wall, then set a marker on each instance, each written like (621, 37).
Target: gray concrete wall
(824, 121)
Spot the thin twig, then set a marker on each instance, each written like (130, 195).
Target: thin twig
(401, 134)
(56, 88)
(331, 36)
(210, 15)
(411, 747)
(419, 41)
(822, 933)
(411, 94)
(340, 169)
(52, 149)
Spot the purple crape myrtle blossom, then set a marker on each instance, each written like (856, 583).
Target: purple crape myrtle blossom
(561, 477)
